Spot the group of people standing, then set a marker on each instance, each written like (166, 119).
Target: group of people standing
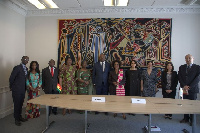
(105, 80)
(22, 80)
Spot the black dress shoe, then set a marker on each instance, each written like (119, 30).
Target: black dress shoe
(55, 113)
(96, 113)
(184, 121)
(106, 113)
(23, 120)
(185, 131)
(18, 123)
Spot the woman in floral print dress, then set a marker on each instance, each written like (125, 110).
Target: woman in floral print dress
(149, 81)
(33, 84)
(83, 79)
(67, 79)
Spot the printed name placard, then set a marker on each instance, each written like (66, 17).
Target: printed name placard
(98, 99)
(141, 101)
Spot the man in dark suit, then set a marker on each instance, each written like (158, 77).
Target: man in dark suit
(17, 82)
(49, 81)
(101, 71)
(189, 76)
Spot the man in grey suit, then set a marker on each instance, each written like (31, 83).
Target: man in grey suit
(17, 83)
(49, 81)
(189, 76)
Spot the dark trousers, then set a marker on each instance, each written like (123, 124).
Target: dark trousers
(18, 100)
(54, 108)
(191, 96)
(102, 89)
(170, 95)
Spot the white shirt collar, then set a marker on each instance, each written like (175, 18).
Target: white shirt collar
(50, 68)
(23, 65)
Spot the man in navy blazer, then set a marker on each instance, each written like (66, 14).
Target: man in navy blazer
(17, 83)
(189, 76)
(101, 71)
(49, 82)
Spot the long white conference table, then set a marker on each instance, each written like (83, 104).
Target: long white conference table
(119, 104)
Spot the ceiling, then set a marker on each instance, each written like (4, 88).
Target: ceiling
(66, 4)
(85, 6)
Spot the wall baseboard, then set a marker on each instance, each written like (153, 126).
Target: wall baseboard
(6, 111)
(4, 89)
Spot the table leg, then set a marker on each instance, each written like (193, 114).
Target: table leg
(47, 119)
(149, 124)
(194, 123)
(86, 121)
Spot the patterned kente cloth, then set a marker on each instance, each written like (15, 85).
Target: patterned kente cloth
(120, 91)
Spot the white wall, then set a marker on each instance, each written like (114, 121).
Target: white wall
(42, 35)
(12, 48)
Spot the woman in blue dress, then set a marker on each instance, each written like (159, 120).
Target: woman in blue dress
(33, 84)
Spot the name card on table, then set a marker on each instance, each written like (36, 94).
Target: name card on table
(141, 101)
(98, 99)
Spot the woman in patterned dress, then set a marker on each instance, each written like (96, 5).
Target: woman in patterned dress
(117, 80)
(33, 84)
(67, 79)
(83, 79)
(149, 81)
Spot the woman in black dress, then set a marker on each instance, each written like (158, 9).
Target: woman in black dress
(169, 81)
(133, 82)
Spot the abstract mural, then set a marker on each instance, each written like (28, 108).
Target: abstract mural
(125, 39)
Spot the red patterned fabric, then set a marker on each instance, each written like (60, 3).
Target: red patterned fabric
(120, 91)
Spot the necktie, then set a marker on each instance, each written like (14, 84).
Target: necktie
(188, 67)
(52, 71)
(24, 67)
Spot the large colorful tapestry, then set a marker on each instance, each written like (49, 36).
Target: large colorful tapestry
(125, 39)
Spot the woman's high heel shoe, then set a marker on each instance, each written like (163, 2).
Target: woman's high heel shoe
(124, 116)
(64, 111)
(115, 115)
(69, 111)
(166, 116)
